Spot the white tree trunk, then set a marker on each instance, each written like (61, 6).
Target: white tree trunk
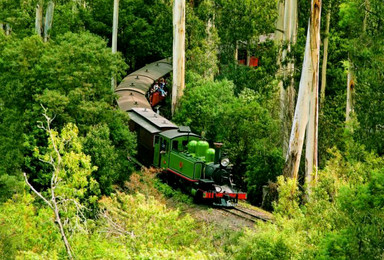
(178, 52)
(292, 36)
(211, 53)
(290, 92)
(114, 35)
(311, 161)
(7, 29)
(300, 118)
(39, 18)
(290, 29)
(306, 111)
(286, 35)
(279, 22)
(48, 20)
(325, 55)
(287, 20)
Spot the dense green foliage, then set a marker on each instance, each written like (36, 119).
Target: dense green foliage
(243, 123)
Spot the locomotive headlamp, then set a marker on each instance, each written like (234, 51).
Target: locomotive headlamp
(224, 162)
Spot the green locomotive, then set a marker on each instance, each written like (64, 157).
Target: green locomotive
(196, 166)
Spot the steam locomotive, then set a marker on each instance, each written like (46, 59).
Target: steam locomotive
(184, 157)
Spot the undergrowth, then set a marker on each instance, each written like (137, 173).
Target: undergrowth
(147, 183)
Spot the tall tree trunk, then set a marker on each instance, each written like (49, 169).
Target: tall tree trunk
(211, 53)
(279, 37)
(248, 58)
(178, 52)
(7, 29)
(350, 95)
(325, 54)
(279, 32)
(48, 20)
(311, 161)
(236, 52)
(351, 80)
(300, 118)
(114, 35)
(291, 92)
(288, 21)
(39, 18)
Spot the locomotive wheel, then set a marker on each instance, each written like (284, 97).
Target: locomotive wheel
(198, 198)
(162, 176)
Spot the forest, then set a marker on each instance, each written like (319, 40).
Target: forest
(292, 88)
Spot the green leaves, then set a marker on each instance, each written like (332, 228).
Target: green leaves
(359, 234)
(242, 123)
(99, 146)
(351, 17)
(72, 167)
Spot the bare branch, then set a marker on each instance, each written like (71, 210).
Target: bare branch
(38, 193)
(115, 228)
(41, 125)
(55, 163)
(47, 162)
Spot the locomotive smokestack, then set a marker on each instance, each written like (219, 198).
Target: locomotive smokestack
(217, 152)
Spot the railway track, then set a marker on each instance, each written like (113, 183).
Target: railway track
(248, 214)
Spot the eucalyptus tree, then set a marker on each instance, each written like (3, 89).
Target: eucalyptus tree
(306, 112)
(114, 34)
(48, 20)
(178, 52)
(325, 53)
(285, 37)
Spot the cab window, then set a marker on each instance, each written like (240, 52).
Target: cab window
(163, 146)
(175, 144)
(185, 144)
(156, 140)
